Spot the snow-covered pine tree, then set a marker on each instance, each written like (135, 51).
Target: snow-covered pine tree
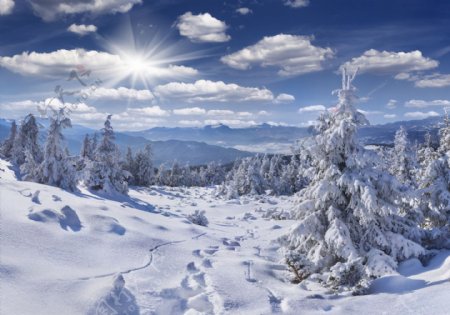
(144, 171)
(292, 178)
(435, 193)
(56, 168)
(7, 146)
(254, 179)
(353, 225)
(129, 165)
(174, 176)
(275, 174)
(425, 155)
(161, 176)
(94, 143)
(26, 139)
(29, 170)
(444, 135)
(403, 163)
(105, 172)
(86, 148)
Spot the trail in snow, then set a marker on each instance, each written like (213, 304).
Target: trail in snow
(147, 264)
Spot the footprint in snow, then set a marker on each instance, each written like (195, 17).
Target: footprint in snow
(56, 198)
(118, 300)
(68, 218)
(106, 224)
(230, 244)
(35, 197)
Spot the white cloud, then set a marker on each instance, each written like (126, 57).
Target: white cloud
(82, 29)
(284, 98)
(390, 116)
(61, 62)
(121, 93)
(220, 112)
(263, 113)
(190, 111)
(152, 111)
(245, 114)
(6, 7)
(296, 3)
(312, 108)
(52, 9)
(202, 28)
(433, 81)
(424, 104)
(421, 115)
(389, 62)
(191, 123)
(293, 54)
(370, 112)
(231, 122)
(18, 109)
(391, 104)
(243, 11)
(212, 91)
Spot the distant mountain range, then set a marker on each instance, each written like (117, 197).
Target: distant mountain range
(273, 139)
(222, 143)
(168, 151)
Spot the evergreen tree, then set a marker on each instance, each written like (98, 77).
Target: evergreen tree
(143, 172)
(106, 172)
(161, 177)
(7, 146)
(56, 168)
(353, 225)
(435, 192)
(29, 170)
(86, 148)
(26, 139)
(94, 144)
(403, 160)
(130, 166)
(175, 173)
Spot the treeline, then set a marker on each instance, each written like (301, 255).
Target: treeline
(101, 166)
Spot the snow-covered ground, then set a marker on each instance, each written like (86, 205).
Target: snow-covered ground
(62, 253)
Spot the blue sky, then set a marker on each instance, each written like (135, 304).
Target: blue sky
(191, 63)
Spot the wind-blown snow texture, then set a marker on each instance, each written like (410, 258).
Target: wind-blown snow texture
(79, 253)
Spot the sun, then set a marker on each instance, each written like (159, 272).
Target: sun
(144, 60)
(136, 65)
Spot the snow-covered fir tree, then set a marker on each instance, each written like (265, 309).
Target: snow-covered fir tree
(26, 140)
(161, 177)
(129, 165)
(353, 225)
(174, 175)
(277, 175)
(86, 148)
(435, 192)
(293, 179)
(29, 170)
(105, 172)
(426, 154)
(143, 172)
(56, 168)
(7, 146)
(274, 177)
(403, 163)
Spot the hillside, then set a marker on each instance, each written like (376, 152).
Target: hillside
(80, 253)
